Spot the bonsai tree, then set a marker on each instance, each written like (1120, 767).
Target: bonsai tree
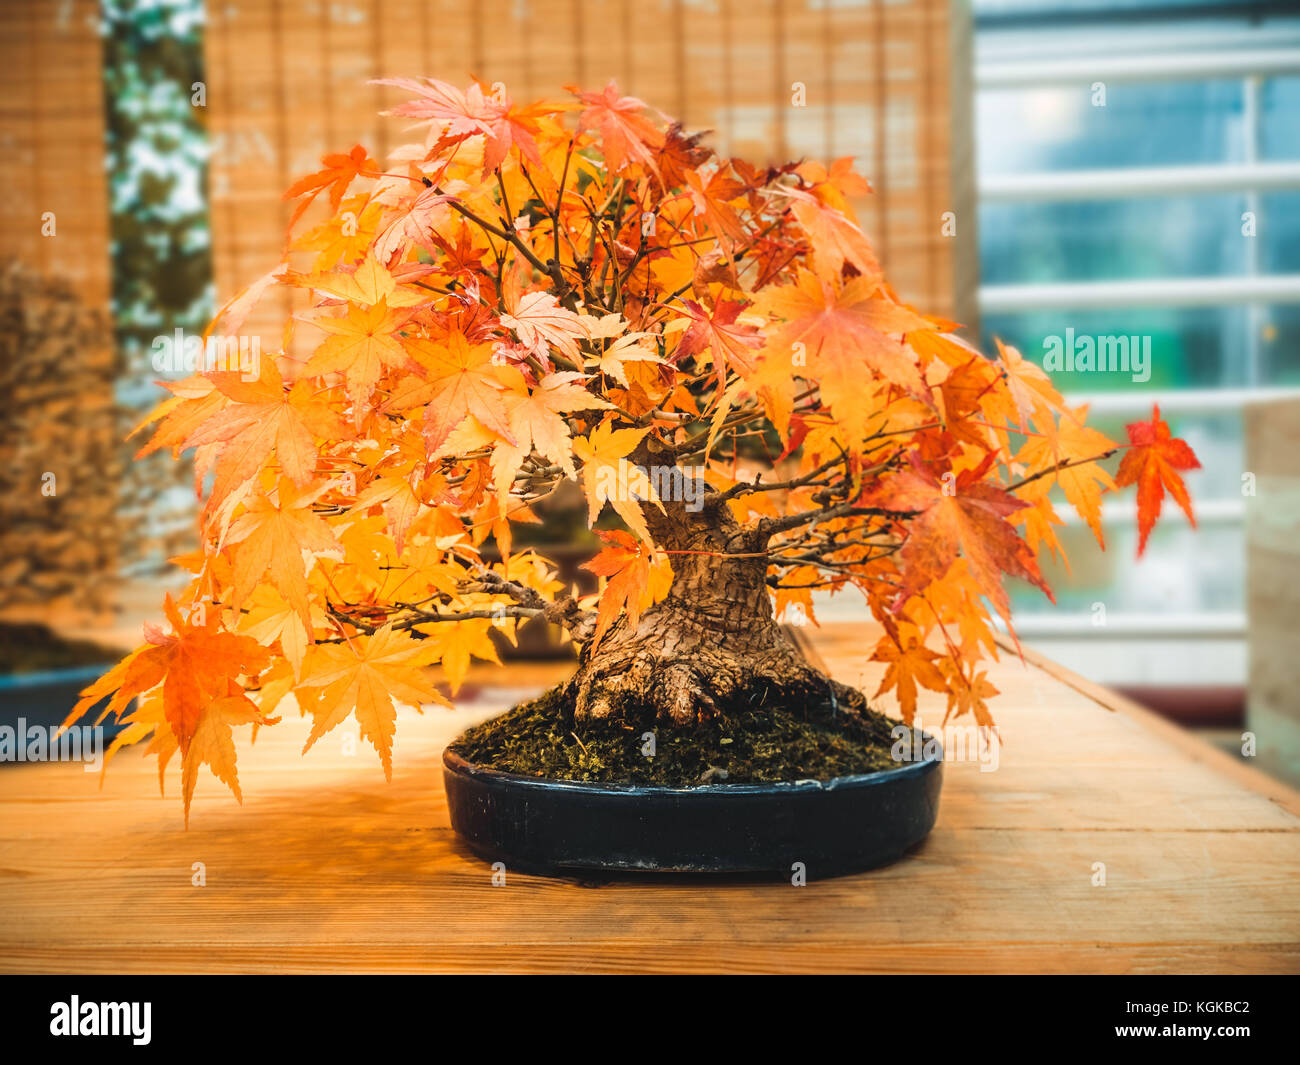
(582, 292)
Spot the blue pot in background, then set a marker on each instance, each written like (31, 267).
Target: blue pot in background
(41, 701)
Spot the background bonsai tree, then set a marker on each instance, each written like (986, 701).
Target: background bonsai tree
(581, 292)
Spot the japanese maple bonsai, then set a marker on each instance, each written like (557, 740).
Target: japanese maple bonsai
(581, 293)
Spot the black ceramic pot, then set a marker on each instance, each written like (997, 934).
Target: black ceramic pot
(842, 825)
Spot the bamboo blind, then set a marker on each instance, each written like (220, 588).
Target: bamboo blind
(59, 406)
(52, 135)
(287, 81)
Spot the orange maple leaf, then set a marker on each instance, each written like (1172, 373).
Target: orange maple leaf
(361, 344)
(710, 201)
(732, 345)
(272, 536)
(339, 172)
(1152, 463)
(460, 380)
(910, 663)
(968, 694)
(1070, 440)
(835, 238)
(196, 664)
(608, 477)
(637, 578)
(844, 331)
(457, 115)
(958, 513)
(264, 417)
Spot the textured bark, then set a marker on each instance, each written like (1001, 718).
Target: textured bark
(712, 642)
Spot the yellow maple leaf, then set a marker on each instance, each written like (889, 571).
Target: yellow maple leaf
(363, 677)
(608, 476)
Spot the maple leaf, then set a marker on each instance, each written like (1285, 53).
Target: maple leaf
(272, 537)
(732, 345)
(195, 663)
(367, 285)
(412, 223)
(453, 643)
(638, 576)
(958, 513)
(539, 320)
(836, 185)
(1069, 440)
(264, 418)
(456, 115)
(537, 418)
(910, 663)
(843, 333)
(362, 677)
(835, 238)
(1040, 520)
(339, 172)
(1152, 463)
(956, 599)
(213, 745)
(360, 346)
(401, 503)
(441, 104)
(343, 237)
(968, 694)
(681, 153)
(963, 395)
(608, 476)
(1029, 388)
(626, 135)
(626, 348)
(460, 381)
(272, 620)
(710, 200)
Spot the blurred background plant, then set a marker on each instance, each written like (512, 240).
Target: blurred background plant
(57, 544)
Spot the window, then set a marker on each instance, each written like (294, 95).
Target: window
(1139, 176)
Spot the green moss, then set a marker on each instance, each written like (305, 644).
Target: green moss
(763, 736)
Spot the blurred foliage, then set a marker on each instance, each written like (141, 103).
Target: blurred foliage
(60, 533)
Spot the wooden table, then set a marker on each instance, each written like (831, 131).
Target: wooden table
(326, 867)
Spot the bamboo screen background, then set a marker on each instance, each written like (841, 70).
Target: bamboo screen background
(287, 81)
(58, 413)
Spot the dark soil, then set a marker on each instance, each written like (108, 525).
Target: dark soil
(765, 737)
(34, 648)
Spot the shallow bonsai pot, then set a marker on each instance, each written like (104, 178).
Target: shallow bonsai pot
(843, 825)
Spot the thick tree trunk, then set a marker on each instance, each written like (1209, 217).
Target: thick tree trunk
(712, 645)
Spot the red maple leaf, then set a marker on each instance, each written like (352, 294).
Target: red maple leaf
(1152, 463)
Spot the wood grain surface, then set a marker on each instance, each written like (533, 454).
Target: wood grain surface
(326, 867)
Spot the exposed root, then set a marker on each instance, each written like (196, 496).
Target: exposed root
(674, 674)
